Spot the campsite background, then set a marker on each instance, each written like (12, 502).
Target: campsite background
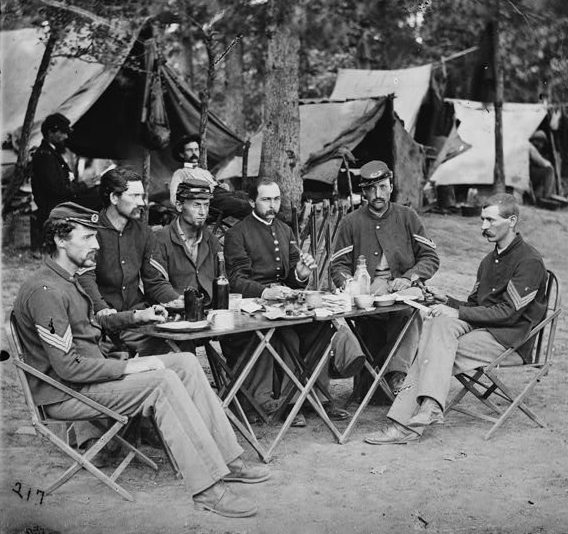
(415, 52)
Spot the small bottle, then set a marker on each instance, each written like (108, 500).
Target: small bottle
(361, 277)
(221, 285)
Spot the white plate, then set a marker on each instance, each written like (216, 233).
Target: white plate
(183, 325)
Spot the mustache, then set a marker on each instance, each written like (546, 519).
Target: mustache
(485, 233)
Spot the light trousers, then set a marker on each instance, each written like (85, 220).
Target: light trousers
(447, 347)
(188, 414)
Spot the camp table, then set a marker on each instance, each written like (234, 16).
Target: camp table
(310, 368)
(264, 330)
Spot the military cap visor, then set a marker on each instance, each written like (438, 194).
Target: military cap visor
(72, 212)
(374, 172)
(194, 189)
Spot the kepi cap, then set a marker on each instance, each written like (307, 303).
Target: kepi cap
(71, 212)
(193, 188)
(374, 172)
(57, 121)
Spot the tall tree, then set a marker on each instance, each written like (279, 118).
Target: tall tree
(280, 154)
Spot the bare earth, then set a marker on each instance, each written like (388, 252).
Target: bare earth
(452, 481)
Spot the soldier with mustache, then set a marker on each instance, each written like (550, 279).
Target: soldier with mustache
(126, 260)
(229, 203)
(507, 300)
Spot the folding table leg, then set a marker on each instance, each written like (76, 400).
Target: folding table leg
(305, 393)
(377, 379)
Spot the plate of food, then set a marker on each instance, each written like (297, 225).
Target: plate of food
(183, 326)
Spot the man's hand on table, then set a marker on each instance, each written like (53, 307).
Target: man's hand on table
(399, 284)
(151, 315)
(441, 310)
(275, 292)
(306, 264)
(141, 365)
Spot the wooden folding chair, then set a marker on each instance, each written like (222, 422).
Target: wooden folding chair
(41, 422)
(484, 382)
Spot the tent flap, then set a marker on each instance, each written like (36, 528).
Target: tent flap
(476, 128)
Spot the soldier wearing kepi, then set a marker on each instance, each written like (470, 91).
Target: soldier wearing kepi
(186, 247)
(398, 252)
(60, 336)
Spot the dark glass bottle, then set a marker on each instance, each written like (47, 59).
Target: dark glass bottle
(193, 305)
(221, 285)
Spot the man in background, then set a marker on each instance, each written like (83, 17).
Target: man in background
(225, 202)
(541, 170)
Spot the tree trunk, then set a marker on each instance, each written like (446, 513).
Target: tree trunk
(235, 89)
(23, 148)
(280, 154)
(499, 169)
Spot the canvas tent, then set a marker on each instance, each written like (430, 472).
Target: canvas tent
(105, 103)
(410, 87)
(476, 127)
(368, 128)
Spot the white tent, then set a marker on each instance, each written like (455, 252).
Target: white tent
(477, 127)
(410, 87)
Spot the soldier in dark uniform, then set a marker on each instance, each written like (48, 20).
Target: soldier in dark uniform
(263, 261)
(507, 301)
(51, 176)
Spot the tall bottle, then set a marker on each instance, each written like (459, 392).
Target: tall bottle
(221, 285)
(361, 277)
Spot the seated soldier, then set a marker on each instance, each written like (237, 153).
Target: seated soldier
(398, 252)
(263, 260)
(508, 299)
(540, 169)
(187, 249)
(228, 203)
(125, 261)
(59, 333)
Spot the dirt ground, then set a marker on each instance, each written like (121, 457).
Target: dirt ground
(451, 482)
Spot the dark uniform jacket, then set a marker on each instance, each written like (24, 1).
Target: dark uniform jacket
(508, 297)
(258, 254)
(178, 267)
(60, 335)
(399, 234)
(125, 258)
(50, 179)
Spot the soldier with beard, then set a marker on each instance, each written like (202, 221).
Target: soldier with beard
(187, 249)
(126, 259)
(229, 203)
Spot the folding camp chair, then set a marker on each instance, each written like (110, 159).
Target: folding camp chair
(41, 422)
(484, 382)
